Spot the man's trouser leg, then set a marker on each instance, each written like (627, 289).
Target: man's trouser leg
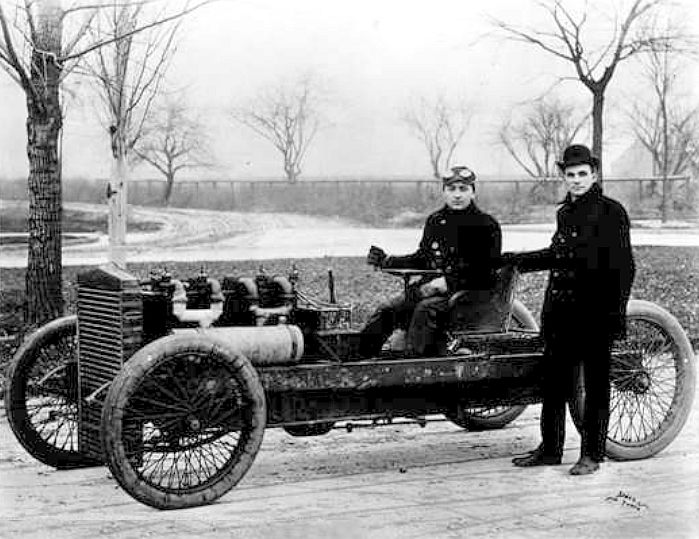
(595, 361)
(395, 313)
(557, 386)
(426, 330)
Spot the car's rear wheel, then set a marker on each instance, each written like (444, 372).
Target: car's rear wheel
(652, 384)
(495, 417)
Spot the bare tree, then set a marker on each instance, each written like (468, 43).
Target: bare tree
(171, 142)
(665, 128)
(440, 125)
(538, 139)
(569, 39)
(288, 116)
(40, 44)
(129, 73)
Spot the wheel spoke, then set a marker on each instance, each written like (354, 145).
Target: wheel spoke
(646, 382)
(184, 441)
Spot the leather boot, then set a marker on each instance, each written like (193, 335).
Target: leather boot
(586, 465)
(536, 458)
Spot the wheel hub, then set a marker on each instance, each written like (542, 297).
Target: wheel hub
(641, 383)
(194, 423)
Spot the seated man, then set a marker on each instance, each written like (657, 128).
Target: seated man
(460, 240)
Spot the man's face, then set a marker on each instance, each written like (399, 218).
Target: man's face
(458, 195)
(579, 179)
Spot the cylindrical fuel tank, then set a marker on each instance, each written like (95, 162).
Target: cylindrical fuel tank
(262, 345)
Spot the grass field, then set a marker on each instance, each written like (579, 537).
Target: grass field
(665, 275)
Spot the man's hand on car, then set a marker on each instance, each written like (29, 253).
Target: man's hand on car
(376, 257)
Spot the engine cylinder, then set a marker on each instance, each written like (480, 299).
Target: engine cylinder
(262, 345)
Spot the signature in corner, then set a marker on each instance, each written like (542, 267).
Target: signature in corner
(627, 500)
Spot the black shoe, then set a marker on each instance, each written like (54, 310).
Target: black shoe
(536, 458)
(586, 465)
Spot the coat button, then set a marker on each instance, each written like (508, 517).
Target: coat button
(574, 234)
(438, 253)
(435, 245)
(442, 222)
(556, 273)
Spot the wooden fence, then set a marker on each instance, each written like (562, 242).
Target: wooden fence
(388, 201)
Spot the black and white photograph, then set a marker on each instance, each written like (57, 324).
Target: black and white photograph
(324, 269)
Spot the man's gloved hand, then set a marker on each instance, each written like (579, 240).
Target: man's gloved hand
(434, 287)
(376, 257)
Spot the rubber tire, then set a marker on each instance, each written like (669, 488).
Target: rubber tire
(138, 368)
(684, 391)
(15, 398)
(313, 429)
(476, 419)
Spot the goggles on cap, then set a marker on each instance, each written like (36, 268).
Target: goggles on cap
(460, 174)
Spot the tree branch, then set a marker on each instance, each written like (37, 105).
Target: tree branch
(133, 32)
(13, 61)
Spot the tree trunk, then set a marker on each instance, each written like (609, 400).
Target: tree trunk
(291, 174)
(169, 183)
(44, 123)
(665, 201)
(118, 205)
(597, 128)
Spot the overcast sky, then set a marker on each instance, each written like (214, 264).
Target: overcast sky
(372, 57)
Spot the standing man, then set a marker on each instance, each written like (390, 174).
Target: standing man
(460, 240)
(592, 269)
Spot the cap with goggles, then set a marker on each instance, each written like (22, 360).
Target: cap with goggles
(460, 174)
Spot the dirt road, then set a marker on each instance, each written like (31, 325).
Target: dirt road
(191, 235)
(396, 481)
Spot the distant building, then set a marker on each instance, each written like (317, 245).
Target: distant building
(634, 161)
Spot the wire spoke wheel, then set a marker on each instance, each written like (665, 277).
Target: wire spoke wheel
(183, 422)
(652, 379)
(42, 395)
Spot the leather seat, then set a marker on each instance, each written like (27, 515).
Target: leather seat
(484, 311)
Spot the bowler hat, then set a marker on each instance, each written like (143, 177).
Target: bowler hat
(460, 174)
(577, 154)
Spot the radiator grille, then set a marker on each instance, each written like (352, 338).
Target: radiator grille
(109, 331)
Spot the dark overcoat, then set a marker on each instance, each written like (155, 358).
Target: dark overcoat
(464, 244)
(592, 269)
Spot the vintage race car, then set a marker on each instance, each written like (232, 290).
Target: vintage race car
(172, 383)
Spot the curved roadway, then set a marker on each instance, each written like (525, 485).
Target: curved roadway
(190, 235)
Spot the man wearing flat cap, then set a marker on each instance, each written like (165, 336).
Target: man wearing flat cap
(462, 242)
(591, 272)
